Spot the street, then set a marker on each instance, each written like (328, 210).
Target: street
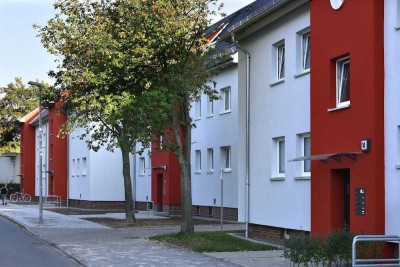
(21, 248)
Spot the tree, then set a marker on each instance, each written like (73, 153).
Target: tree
(132, 68)
(16, 100)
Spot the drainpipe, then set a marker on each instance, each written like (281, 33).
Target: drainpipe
(134, 178)
(247, 197)
(68, 171)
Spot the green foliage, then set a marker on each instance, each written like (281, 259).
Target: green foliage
(211, 242)
(16, 100)
(334, 250)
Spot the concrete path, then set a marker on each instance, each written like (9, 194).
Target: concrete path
(92, 244)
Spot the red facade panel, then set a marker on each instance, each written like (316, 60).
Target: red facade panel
(354, 31)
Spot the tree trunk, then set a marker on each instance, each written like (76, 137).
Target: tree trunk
(183, 138)
(130, 213)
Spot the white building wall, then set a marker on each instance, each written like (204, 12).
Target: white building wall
(143, 181)
(9, 169)
(278, 110)
(45, 159)
(392, 116)
(97, 176)
(216, 131)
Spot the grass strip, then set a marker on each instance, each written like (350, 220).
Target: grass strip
(211, 242)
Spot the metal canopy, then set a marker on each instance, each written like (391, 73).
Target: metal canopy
(325, 157)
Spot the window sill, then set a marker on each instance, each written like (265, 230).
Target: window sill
(397, 28)
(141, 175)
(277, 82)
(398, 166)
(305, 72)
(225, 112)
(338, 108)
(210, 116)
(277, 179)
(210, 172)
(302, 178)
(197, 119)
(197, 172)
(227, 170)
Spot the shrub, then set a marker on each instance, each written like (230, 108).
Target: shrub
(12, 187)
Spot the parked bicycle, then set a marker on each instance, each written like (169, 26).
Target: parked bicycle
(20, 196)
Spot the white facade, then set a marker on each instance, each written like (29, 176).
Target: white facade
(97, 176)
(141, 172)
(9, 168)
(279, 110)
(45, 158)
(392, 115)
(217, 134)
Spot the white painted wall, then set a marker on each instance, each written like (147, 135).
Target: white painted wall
(281, 110)
(216, 131)
(9, 169)
(392, 116)
(143, 182)
(45, 158)
(101, 179)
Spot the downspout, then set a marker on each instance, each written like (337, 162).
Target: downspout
(247, 197)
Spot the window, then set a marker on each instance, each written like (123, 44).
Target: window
(142, 166)
(197, 109)
(306, 151)
(226, 158)
(78, 167)
(197, 161)
(280, 156)
(226, 99)
(280, 61)
(84, 166)
(398, 147)
(161, 142)
(73, 167)
(343, 82)
(305, 51)
(210, 160)
(210, 107)
(398, 15)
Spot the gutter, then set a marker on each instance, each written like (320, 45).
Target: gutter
(247, 197)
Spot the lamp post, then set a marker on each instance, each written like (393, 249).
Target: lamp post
(40, 151)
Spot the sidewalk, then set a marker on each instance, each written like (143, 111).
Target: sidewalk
(91, 244)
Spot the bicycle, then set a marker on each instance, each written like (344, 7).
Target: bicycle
(18, 196)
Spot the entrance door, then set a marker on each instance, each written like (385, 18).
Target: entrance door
(340, 198)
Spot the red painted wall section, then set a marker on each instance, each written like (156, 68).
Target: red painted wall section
(27, 155)
(354, 30)
(57, 153)
(166, 191)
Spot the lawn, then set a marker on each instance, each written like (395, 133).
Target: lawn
(211, 242)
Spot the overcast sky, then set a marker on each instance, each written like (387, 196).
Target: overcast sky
(21, 52)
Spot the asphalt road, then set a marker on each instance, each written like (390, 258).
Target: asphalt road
(18, 247)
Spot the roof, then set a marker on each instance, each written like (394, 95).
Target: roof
(44, 115)
(29, 115)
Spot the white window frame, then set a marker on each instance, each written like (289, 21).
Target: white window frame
(398, 148)
(210, 160)
(142, 166)
(341, 82)
(226, 158)
(197, 163)
(279, 153)
(210, 106)
(226, 104)
(78, 167)
(397, 27)
(280, 61)
(305, 51)
(197, 109)
(73, 168)
(304, 171)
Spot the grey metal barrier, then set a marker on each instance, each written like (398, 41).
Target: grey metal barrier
(375, 262)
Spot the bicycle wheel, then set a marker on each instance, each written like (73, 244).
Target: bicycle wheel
(13, 197)
(27, 197)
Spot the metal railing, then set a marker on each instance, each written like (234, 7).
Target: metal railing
(150, 207)
(374, 262)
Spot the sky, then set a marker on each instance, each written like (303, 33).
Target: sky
(21, 52)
